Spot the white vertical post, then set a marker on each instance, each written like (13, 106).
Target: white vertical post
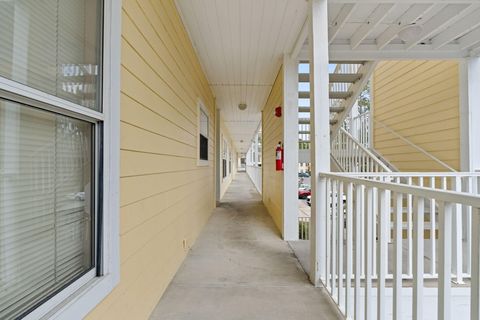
(358, 221)
(470, 114)
(475, 294)
(340, 224)
(382, 254)
(218, 158)
(418, 257)
(398, 250)
(320, 128)
(457, 235)
(349, 267)
(369, 238)
(445, 261)
(290, 142)
(433, 232)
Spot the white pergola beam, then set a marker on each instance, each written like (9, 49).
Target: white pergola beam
(302, 36)
(404, 1)
(338, 23)
(443, 19)
(470, 39)
(366, 52)
(474, 52)
(373, 21)
(320, 136)
(465, 25)
(411, 15)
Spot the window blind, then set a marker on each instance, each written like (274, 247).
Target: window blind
(53, 46)
(46, 217)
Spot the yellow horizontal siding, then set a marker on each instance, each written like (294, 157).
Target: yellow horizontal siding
(161, 83)
(420, 101)
(272, 133)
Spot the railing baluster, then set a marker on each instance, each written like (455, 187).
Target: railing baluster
(349, 262)
(409, 229)
(433, 232)
(375, 234)
(328, 242)
(398, 250)
(341, 300)
(475, 254)
(333, 241)
(382, 253)
(468, 223)
(445, 260)
(458, 238)
(418, 235)
(369, 236)
(359, 222)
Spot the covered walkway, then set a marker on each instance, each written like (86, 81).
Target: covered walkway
(240, 268)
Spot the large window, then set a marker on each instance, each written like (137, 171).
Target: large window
(53, 46)
(52, 160)
(46, 207)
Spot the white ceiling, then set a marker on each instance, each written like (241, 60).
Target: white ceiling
(368, 29)
(240, 44)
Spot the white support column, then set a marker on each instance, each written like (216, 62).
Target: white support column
(290, 144)
(320, 132)
(255, 146)
(470, 114)
(218, 158)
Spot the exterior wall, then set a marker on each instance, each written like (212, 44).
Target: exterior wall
(272, 133)
(420, 101)
(225, 182)
(165, 197)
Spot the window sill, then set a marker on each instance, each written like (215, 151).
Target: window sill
(77, 300)
(203, 163)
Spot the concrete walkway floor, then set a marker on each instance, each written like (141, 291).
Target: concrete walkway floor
(240, 269)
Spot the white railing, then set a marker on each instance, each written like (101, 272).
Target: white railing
(352, 156)
(359, 128)
(354, 244)
(303, 228)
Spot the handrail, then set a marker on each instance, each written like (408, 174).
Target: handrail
(360, 223)
(424, 192)
(413, 145)
(345, 153)
(415, 174)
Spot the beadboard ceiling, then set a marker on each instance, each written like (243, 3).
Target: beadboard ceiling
(240, 44)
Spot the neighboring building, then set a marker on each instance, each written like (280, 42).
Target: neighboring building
(416, 104)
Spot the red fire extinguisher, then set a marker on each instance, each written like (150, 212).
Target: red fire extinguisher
(279, 157)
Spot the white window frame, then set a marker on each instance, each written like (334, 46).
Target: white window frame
(201, 107)
(83, 295)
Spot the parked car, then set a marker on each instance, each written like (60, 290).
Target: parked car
(309, 200)
(304, 191)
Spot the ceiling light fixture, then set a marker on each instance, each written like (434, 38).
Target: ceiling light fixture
(410, 32)
(242, 106)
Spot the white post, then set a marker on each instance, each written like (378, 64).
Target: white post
(320, 131)
(218, 157)
(290, 143)
(475, 293)
(470, 114)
